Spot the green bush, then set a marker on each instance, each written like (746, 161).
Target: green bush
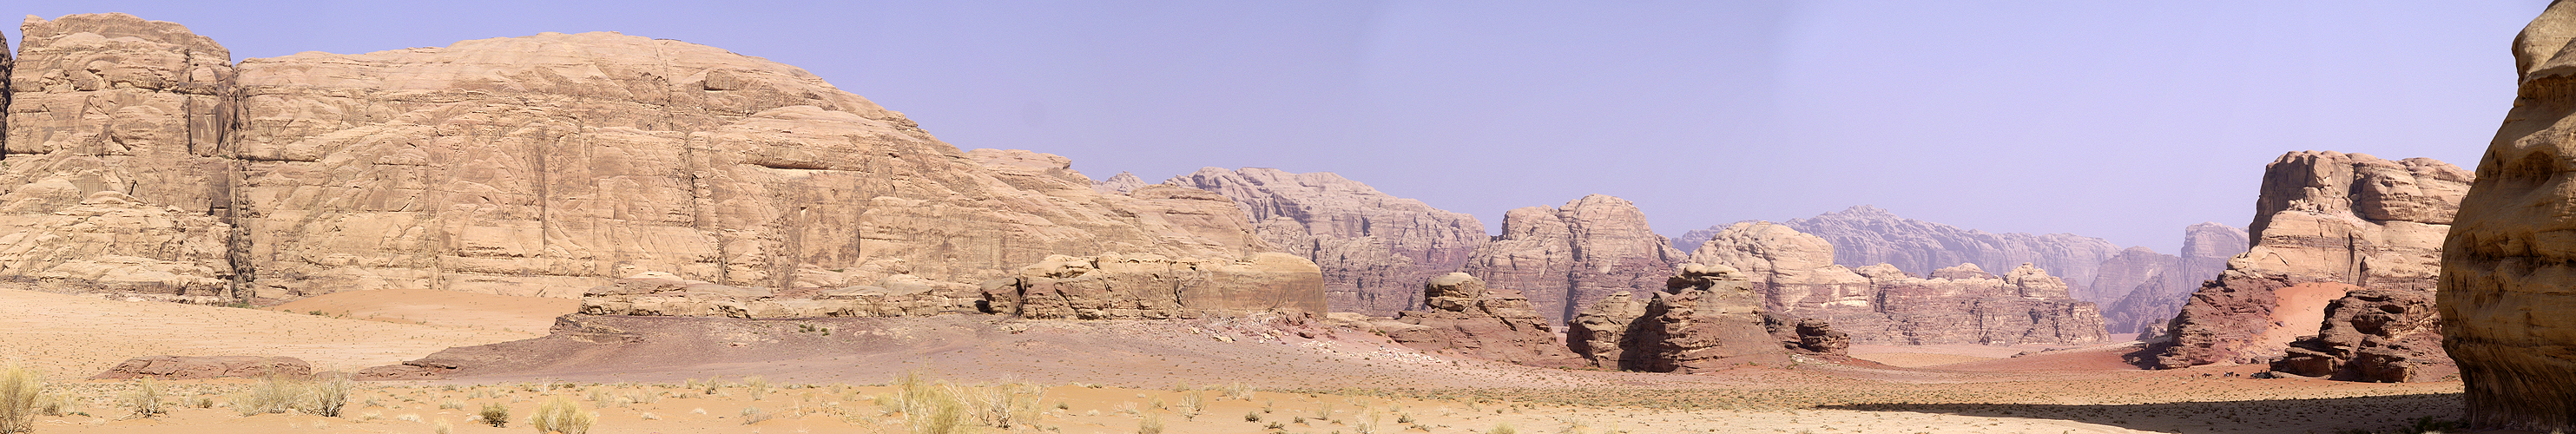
(495, 414)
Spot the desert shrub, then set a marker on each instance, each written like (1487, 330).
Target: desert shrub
(1004, 405)
(935, 410)
(19, 388)
(145, 399)
(1238, 390)
(1503, 428)
(759, 387)
(752, 415)
(272, 394)
(495, 414)
(330, 395)
(1252, 416)
(1151, 424)
(441, 427)
(561, 416)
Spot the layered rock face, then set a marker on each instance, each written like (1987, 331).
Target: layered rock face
(1464, 317)
(1880, 304)
(136, 110)
(1712, 313)
(1865, 235)
(2326, 224)
(2159, 284)
(2377, 335)
(1566, 258)
(661, 294)
(546, 164)
(2510, 258)
(1375, 248)
(1150, 286)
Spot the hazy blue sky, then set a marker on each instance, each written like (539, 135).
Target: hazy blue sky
(2122, 120)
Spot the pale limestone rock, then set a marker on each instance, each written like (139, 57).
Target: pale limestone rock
(2326, 223)
(1566, 258)
(1375, 248)
(1797, 276)
(1152, 286)
(2511, 255)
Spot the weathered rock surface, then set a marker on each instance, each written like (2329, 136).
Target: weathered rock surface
(660, 294)
(1375, 248)
(1466, 318)
(1602, 333)
(2326, 224)
(1150, 286)
(1121, 183)
(204, 367)
(1711, 313)
(2159, 284)
(1865, 235)
(1565, 258)
(545, 164)
(2510, 258)
(2377, 335)
(1880, 304)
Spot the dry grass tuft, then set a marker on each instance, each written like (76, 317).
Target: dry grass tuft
(19, 388)
(561, 416)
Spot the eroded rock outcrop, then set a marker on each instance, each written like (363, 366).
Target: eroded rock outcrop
(2376, 335)
(2509, 260)
(205, 367)
(1565, 258)
(1712, 313)
(1375, 248)
(1880, 304)
(660, 294)
(2159, 284)
(545, 164)
(1865, 235)
(1464, 317)
(1150, 286)
(2326, 224)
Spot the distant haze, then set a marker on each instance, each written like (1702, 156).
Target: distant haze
(2121, 120)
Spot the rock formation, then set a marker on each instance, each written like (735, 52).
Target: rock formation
(1149, 286)
(1879, 304)
(1710, 314)
(1865, 235)
(2159, 284)
(2377, 335)
(2326, 224)
(1565, 258)
(1375, 248)
(660, 294)
(1466, 318)
(545, 164)
(205, 367)
(2510, 258)
(1122, 183)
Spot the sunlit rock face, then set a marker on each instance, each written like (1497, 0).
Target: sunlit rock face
(2326, 224)
(2507, 315)
(1376, 249)
(1566, 258)
(1796, 275)
(539, 165)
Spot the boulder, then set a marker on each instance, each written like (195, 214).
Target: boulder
(1373, 247)
(1566, 258)
(2326, 224)
(204, 367)
(2511, 254)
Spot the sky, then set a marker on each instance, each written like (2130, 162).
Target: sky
(2120, 120)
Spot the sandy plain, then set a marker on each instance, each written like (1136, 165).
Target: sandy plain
(1105, 377)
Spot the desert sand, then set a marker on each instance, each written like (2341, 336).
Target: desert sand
(1109, 376)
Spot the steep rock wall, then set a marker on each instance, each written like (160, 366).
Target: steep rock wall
(1567, 258)
(1376, 249)
(2511, 255)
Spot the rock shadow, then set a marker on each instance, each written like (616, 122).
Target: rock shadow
(2387, 413)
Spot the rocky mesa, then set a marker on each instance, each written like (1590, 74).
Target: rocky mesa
(1880, 304)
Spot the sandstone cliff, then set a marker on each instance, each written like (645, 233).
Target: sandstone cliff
(2159, 284)
(1376, 249)
(1865, 235)
(2508, 263)
(1566, 258)
(2326, 224)
(539, 165)
(1880, 304)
